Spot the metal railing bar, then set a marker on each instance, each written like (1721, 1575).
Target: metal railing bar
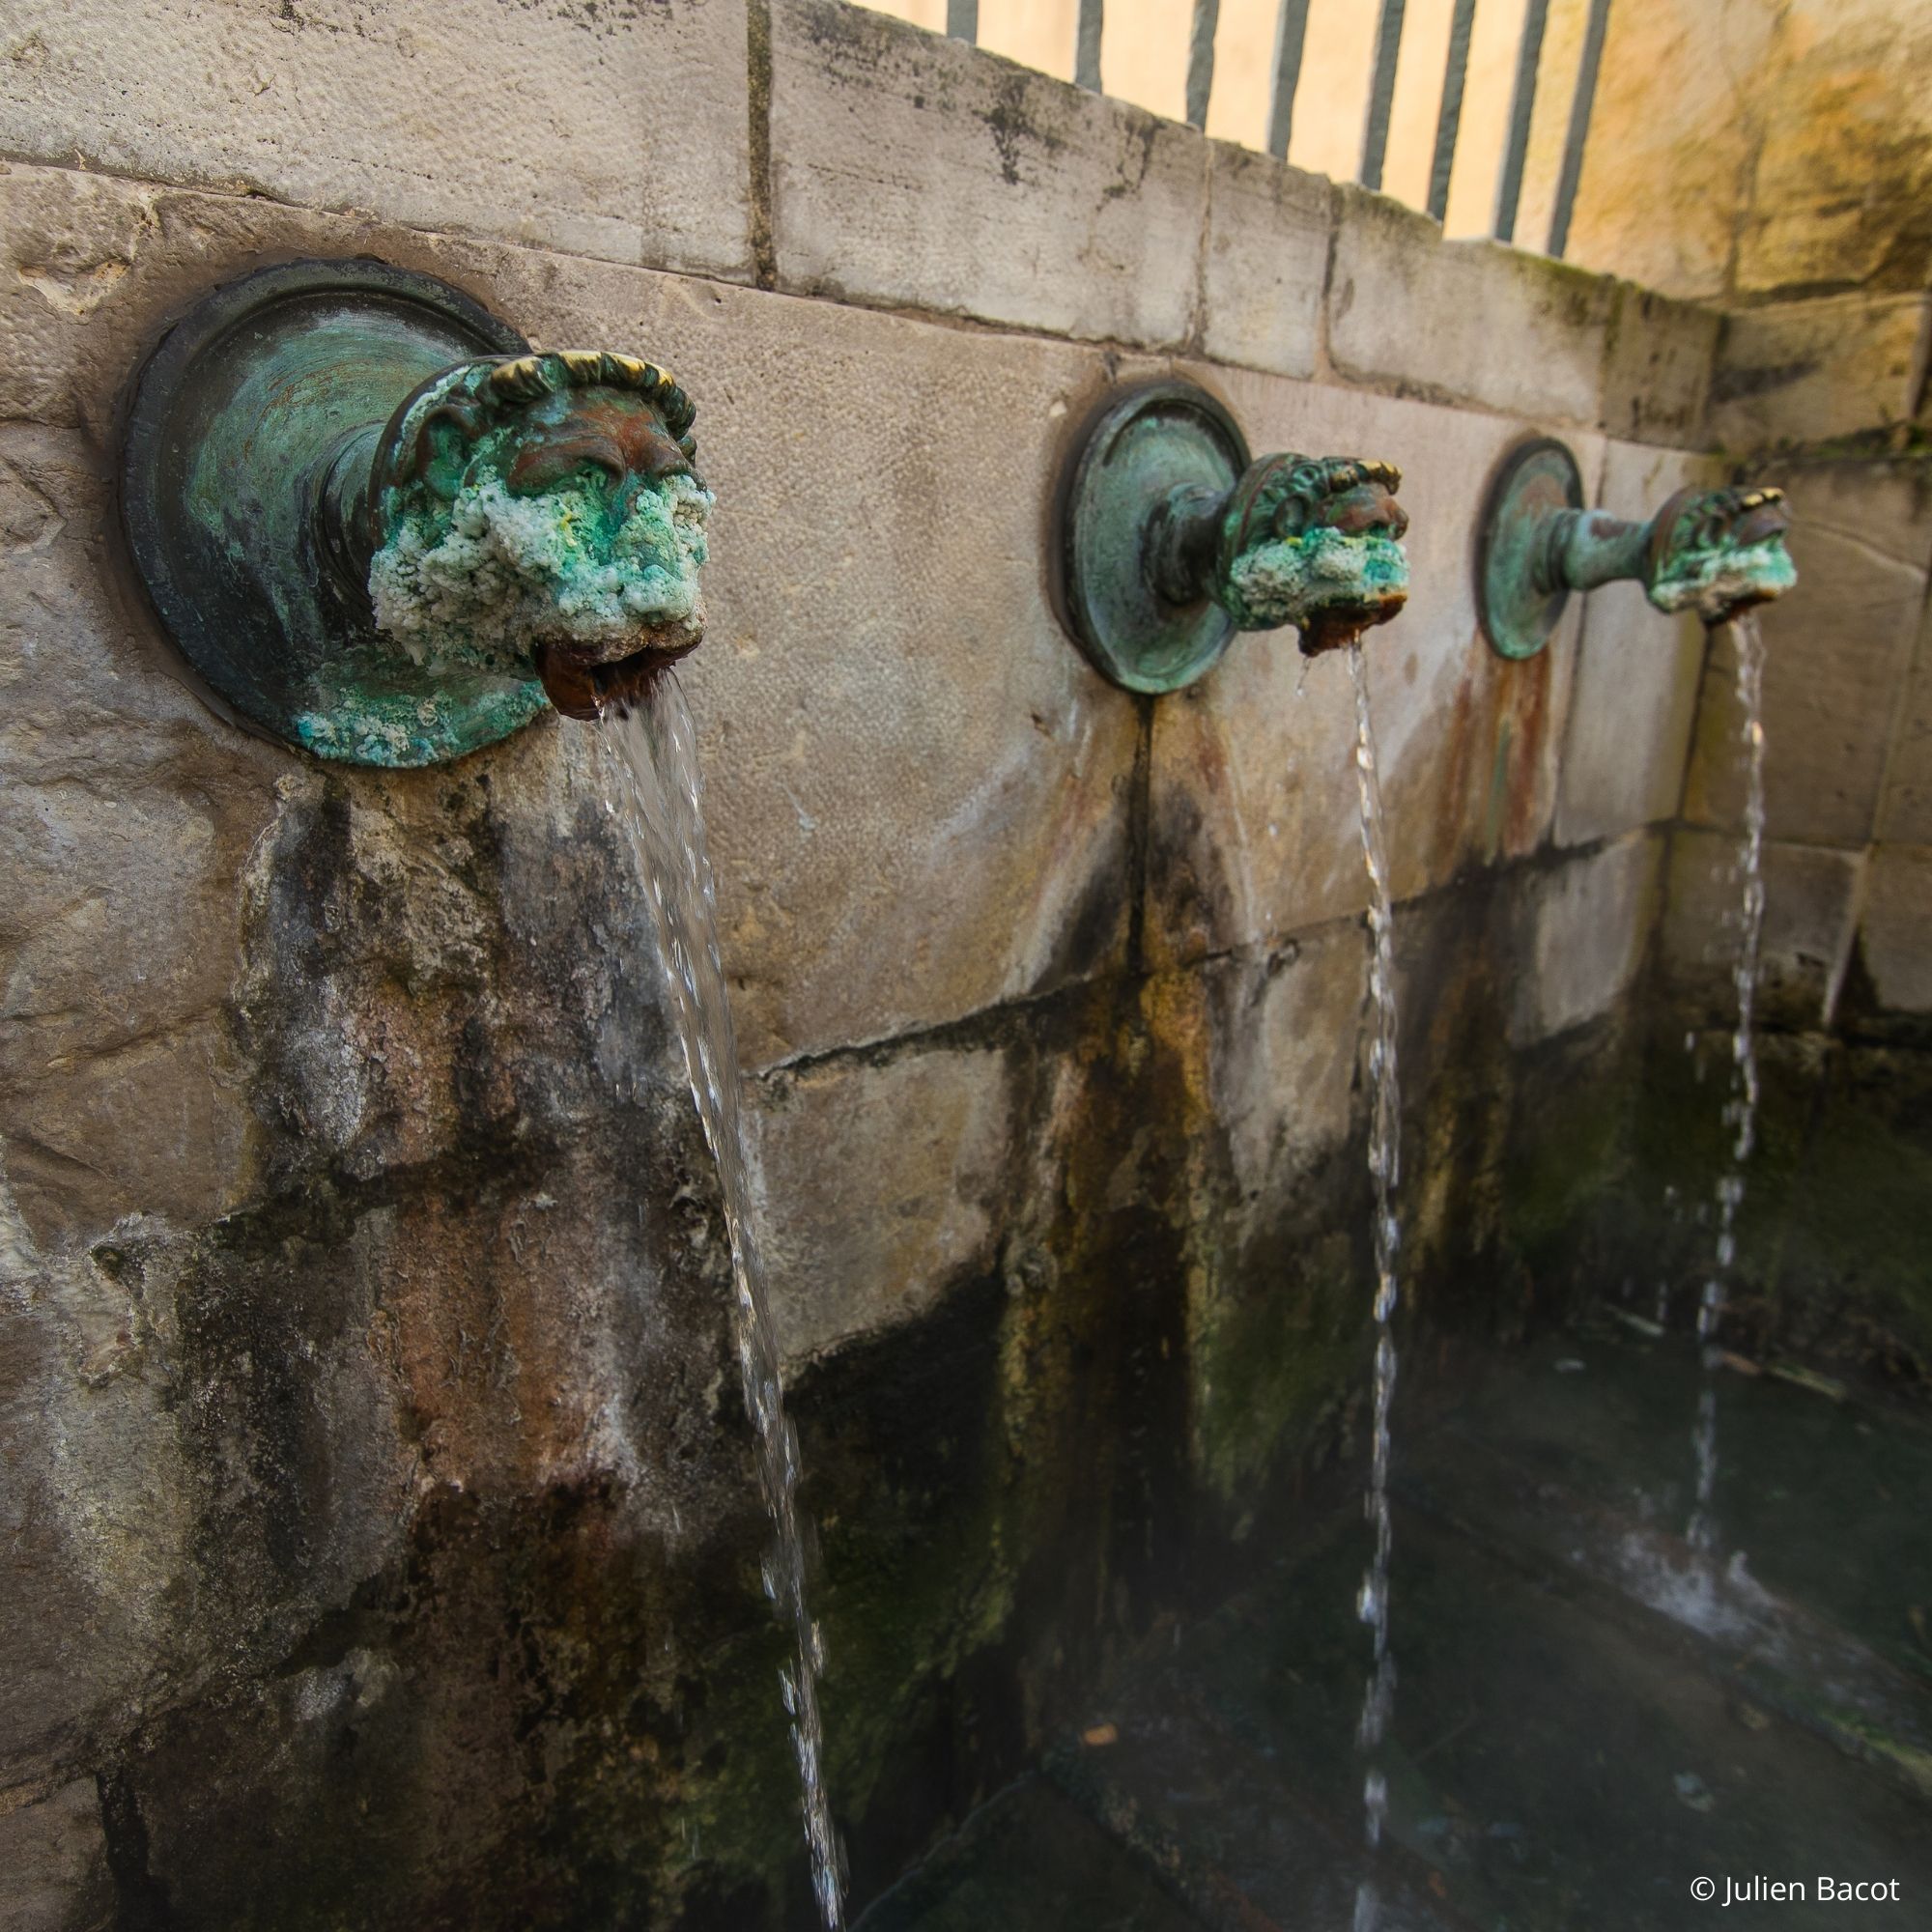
(1581, 105)
(1086, 44)
(1381, 91)
(962, 20)
(1449, 119)
(1291, 30)
(1522, 106)
(1201, 60)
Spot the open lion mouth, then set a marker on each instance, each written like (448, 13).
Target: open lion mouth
(582, 686)
(1332, 627)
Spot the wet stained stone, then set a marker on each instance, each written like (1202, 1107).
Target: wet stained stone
(1027, 1860)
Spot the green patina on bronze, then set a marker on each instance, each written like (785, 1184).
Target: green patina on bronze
(1170, 540)
(539, 514)
(380, 527)
(1714, 551)
(1315, 543)
(1717, 552)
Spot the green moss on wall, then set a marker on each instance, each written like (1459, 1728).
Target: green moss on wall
(1275, 1352)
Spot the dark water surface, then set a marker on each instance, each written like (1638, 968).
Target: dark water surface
(1592, 1716)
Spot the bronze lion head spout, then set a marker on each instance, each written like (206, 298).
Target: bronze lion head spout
(1170, 539)
(381, 527)
(1719, 552)
(1314, 542)
(542, 513)
(1716, 552)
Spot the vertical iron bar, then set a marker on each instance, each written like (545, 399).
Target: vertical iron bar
(1290, 29)
(1584, 99)
(962, 20)
(1201, 60)
(1381, 91)
(1086, 44)
(1449, 116)
(1522, 104)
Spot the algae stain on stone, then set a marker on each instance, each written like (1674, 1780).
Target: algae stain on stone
(1272, 1363)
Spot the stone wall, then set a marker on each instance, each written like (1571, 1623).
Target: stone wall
(1833, 1233)
(1783, 173)
(382, 1533)
(1774, 157)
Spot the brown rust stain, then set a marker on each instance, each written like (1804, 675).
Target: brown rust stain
(1189, 893)
(488, 1344)
(1484, 800)
(1523, 723)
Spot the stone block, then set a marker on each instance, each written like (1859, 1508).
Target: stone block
(1637, 679)
(1253, 804)
(620, 134)
(1668, 166)
(1657, 378)
(913, 171)
(1836, 651)
(93, 1510)
(1810, 898)
(68, 244)
(1589, 921)
(93, 270)
(1806, 371)
(1905, 811)
(1283, 1075)
(1464, 321)
(917, 791)
(1896, 928)
(1272, 1043)
(53, 1863)
(128, 816)
(1882, 503)
(1844, 166)
(882, 1184)
(1266, 261)
(159, 1126)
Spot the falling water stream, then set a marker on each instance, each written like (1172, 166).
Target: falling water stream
(1385, 1171)
(1741, 1111)
(653, 791)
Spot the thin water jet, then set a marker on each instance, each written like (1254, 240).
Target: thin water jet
(1384, 1173)
(1741, 1110)
(649, 755)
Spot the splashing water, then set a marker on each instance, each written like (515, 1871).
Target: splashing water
(651, 757)
(1741, 1113)
(1385, 1171)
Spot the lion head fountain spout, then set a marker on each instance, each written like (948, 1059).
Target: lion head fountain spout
(1716, 552)
(541, 512)
(1314, 542)
(1170, 540)
(381, 527)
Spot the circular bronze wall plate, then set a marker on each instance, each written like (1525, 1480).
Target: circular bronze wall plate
(1532, 483)
(1137, 450)
(237, 418)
